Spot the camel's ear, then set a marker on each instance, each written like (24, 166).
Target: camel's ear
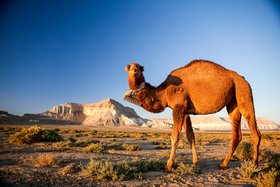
(127, 68)
(141, 68)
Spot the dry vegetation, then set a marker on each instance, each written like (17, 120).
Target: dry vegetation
(69, 157)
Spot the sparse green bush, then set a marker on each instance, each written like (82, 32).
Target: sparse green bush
(51, 136)
(67, 143)
(248, 169)
(34, 134)
(265, 155)
(181, 171)
(244, 151)
(275, 162)
(84, 143)
(270, 179)
(94, 148)
(187, 169)
(123, 170)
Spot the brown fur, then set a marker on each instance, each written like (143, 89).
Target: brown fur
(135, 76)
(201, 87)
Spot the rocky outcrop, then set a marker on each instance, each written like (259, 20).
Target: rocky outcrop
(103, 113)
(68, 111)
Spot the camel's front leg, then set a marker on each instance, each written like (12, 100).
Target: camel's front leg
(178, 120)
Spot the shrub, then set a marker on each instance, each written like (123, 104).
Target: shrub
(51, 136)
(123, 170)
(187, 169)
(244, 151)
(265, 155)
(94, 148)
(275, 161)
(248, 169)
(67, 143)
(34, 134)
(181, 171)
(131, 147)
(84, 143)
(47, 160)
(269, 179)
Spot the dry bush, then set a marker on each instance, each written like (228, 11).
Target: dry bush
(123, 170)
(244, 151)
(47, 160)
(187, 169)
(94, 148)
(181, 171)
(67, 143)
(265, 155)
(270, 179)
(131, 147)
(34, 134)
(248, 169)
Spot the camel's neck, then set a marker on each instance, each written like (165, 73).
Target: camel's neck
(152, 98)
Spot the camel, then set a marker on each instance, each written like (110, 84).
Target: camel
(201, 87)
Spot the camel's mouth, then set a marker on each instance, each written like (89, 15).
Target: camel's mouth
(128, 96)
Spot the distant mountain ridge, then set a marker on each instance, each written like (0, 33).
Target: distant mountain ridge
(104, 113)
(109, 112)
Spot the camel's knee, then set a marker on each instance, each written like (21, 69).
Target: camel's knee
(174, 141)
(256, 139)
(236, 139)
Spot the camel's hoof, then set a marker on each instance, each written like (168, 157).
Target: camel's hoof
(167, 168)
(222, 167)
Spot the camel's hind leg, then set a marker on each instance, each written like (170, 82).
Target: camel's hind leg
(246, 107)
(235, 117)
(190, 136)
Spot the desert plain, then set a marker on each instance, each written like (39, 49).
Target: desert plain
(77, 155)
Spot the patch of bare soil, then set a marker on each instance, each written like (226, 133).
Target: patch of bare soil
(47, 164)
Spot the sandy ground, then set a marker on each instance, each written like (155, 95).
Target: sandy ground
(18, 168)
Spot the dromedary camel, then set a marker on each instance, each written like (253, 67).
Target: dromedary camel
(200, 87)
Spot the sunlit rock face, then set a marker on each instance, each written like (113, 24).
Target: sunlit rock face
(105, 112)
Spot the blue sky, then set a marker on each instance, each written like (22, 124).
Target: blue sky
(52, 52)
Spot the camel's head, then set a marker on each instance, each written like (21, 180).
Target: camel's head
(135, 75)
